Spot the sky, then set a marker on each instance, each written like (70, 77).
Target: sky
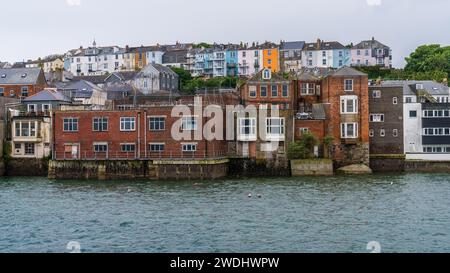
(33, 29)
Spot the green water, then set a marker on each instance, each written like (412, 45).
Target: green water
(404, 213)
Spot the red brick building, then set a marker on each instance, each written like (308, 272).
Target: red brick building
(140, 134)
(21, 82)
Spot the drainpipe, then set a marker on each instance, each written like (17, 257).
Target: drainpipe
(145, 133)
(139, 135)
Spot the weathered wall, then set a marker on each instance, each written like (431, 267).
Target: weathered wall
(26, 167)
(387, 164)
(138, 169)
(249, 167)
(427, 166)
(312, 167)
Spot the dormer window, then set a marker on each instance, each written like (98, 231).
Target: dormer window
(3, 76)
(267, 75)
(24, 75)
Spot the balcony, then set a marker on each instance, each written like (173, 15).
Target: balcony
(31, 114)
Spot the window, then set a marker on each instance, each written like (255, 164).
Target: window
(349, 130)
(395, 133)
(324, 62)
(436, 131)
(358, 52)
(29, 148)
(100, 147)
(70, 124)
(324, 53)
(252, 91)
(157, 123)
(127, 147)
(46, 107)
(285, 91)
(341, 63)
(348, 84)
(308, 89)
(304, 130)
(341, 54)
(275, 126)
(267, 75)
(367, 52)
(376, 94)
(371, 133)
(31, 107)
(269, 52)
(24, 91)
(349, 105)
(2, 91)
(100, 124)
(395, 100)
(382, 133)
(274, 91)
(247, 129)
(413, 114)
(156, 147)
(263, 91)
(189, 147)
(25, 129)
(436, 113)
(376, 118)
(127, 124)
(189, 123)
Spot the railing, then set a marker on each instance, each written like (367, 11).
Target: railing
(118, 155)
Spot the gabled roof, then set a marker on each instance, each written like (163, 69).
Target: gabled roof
(99, 79)
(369, 44)
(123, 75)
(47, 95)
(312, 74)
(321, 45)
(79, 89)
(20, 75)
(348, 71)
(258, 77)
(292, 45)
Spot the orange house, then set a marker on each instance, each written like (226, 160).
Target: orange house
(271, 58)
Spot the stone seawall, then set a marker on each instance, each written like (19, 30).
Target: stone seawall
(427, 166)
(247, 167)
(311, 167)
(138, 169)
(26, 167)
(387, 163)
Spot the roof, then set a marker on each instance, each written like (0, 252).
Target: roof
(123, 75)
(275, 77)
(292, 45)
(47, 95)
(318, 111)
(410, 87)
(164, 69)
(312, 74)
(98, 79)
(347, 71)
(321, 45)
(369, 44)
(20, 75)
(81, 88)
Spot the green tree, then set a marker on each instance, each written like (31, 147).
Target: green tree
(432, 59)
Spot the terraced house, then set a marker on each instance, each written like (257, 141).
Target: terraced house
(325, 55)
(21, 82)
(371, 53)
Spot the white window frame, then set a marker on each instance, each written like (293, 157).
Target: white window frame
(154, 122)
(344, 102)
(189, 126)
(156, 144)
(376, 94)
(193, 147)
(242, 136)
(376, 118)
(270, 127)
(394, 100)
(382, 132)
(70, 123)
(96, 144)
(124, 120)
(252, 90)
(344, 130)
(33, 105)
(46, 104)
(345, 85)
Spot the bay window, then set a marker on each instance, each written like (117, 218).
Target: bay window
(349, 105)
(349, 130)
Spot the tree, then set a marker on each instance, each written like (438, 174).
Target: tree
(303, 149)
(184, 76)
(431, 59)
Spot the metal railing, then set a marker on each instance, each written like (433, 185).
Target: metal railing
(119, 155)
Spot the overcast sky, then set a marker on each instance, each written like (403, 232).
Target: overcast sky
(38, 28)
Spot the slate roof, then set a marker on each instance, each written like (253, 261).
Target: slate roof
(258, 77)
(47, 95)
(123, 75)
(347, 71)
(79, 89)
(321, 45)
(292, 45)
(19, 75)
(99, 79)
(369, 44)
(410, 87)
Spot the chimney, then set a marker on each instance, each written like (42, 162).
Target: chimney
(318, 43)
(127, 47)
(373, 38)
